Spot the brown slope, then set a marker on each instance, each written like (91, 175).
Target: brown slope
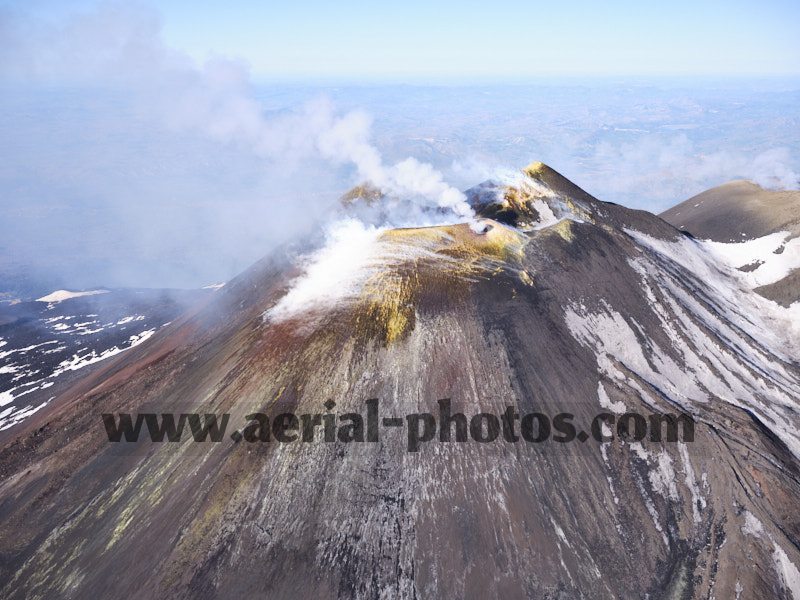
(737, 211)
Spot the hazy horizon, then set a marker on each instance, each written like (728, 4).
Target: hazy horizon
(131, 161)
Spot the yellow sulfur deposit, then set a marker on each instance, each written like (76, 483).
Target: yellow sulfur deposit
(436, 262)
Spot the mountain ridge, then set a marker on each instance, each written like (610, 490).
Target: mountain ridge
(740, 211)
(617, 311)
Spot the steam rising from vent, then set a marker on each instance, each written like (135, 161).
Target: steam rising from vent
(346, 139)
(122, 47)
(334, 272)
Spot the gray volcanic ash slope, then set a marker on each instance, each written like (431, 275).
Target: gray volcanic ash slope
(556, 303)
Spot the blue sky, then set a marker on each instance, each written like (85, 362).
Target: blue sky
(467, 39)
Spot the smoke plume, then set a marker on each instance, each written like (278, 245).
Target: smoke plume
(122, 47)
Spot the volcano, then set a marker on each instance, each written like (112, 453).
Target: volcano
(551, 302)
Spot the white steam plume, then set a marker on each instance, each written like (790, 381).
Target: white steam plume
(119, 46)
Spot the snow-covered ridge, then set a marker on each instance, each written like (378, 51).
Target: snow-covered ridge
(718, 266)
(726, 342)
(61, 295)
(723, 344)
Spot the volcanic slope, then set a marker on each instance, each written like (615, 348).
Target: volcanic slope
(737, 211)
(763, 224)
(556, 302)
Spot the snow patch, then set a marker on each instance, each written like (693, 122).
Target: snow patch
(698, 502)
(79, 361)
(662, 478)
(752, 526)
(617, 407)
(61, 295)
(14, 414)
(787, 571)
(771, 267)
